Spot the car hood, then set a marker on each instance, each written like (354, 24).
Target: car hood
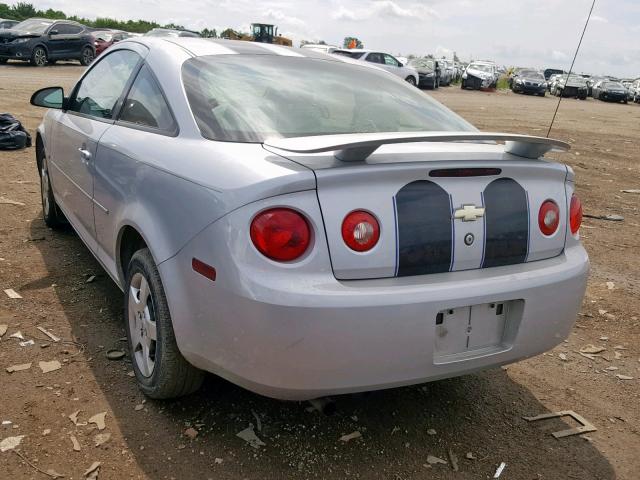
(13, 33)
(615, 89)
(479, 73)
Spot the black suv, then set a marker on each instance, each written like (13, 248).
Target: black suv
(41, 41)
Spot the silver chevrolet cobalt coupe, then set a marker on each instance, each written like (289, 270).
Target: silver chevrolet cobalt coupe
(303, 225)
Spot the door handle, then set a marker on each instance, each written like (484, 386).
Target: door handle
(85, 155)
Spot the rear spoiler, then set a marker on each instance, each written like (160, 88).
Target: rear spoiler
(356, 147)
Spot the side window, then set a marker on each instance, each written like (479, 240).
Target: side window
(145, 105)
(67, 29)
(374, 58)
(101, 88)
(389, 60)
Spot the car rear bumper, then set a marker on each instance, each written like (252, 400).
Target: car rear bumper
(303, 337)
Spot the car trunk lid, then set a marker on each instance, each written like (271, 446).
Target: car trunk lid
(441, 207)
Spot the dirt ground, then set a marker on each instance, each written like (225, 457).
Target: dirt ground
(477, 415)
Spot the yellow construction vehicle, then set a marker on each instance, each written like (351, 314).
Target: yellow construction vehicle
(260, 32)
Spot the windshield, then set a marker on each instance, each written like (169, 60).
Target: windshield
(106, 36)
(481, 67)
(33, 25)
(421, 63)
(612, 85)
(531, 74)
(249, 99)
(577, 79)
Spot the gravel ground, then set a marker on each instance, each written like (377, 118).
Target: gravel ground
(476, 418)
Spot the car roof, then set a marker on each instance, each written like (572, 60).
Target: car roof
(199, 47)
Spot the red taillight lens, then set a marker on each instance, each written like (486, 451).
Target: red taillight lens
(549, 217)
(575, 214)
(360, 231)
(280, 234)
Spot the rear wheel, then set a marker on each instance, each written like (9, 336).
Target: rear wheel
(39, 57)
(51, 213)
(160, 369)
(411, 81)
(87, 56)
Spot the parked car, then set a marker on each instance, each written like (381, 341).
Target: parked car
(105, 38)
(548, 72)
(529, 81)
(427, 74)
(282, 252)
(446, 73)
(41, 41)
(570, 86)
(635, 91)
(553, 82)
(169, 32)
(383, 60)
(320, 47)
(479, 75)
(5, 23)
(610, 91)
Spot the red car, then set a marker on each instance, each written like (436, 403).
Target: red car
(105, 38)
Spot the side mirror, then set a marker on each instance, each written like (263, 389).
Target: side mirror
(50, 97)
(116, 40)
(53, 32)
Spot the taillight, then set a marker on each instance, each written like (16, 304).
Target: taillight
(360, 231)
(549, 217)
(280, 234)
(575, 214)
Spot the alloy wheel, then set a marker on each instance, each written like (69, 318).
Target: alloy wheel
(142, 324)
(40, 57)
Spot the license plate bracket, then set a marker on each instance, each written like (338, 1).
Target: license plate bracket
(476, 330)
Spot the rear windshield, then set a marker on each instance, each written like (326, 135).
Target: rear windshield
(243, 98)
(352, 54)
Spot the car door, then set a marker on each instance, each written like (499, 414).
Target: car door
(61, 39)
(374, 57)
(91, 110)
(391, 64)
(144, 118)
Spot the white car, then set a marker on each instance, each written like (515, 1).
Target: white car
(480, 75)
(320, 47)
(382, 60)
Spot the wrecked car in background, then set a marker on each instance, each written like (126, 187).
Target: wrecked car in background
(609, 91)
(572, 86)
(529, 81)
(479, 75)
(428, 75)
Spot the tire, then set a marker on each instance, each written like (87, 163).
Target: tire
(542, 94)
(86, 56)
(51, 213)
(411, 81)
(39, 57)
(160, 369)
(463, 84)
(3, 61)
(52, 62)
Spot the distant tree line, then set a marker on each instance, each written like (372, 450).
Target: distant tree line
(23, 10)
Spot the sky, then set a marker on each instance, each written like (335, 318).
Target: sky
(526, 33)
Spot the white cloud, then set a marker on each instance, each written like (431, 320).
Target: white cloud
(599, 19)
(385, 9)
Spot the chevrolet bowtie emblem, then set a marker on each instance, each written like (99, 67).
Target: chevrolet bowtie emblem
(469, 213)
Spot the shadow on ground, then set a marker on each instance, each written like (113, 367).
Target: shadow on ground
(481, 414)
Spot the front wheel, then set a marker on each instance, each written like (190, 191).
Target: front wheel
(87, 56)
(39, 57)
(411, 81)
(160, 369)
